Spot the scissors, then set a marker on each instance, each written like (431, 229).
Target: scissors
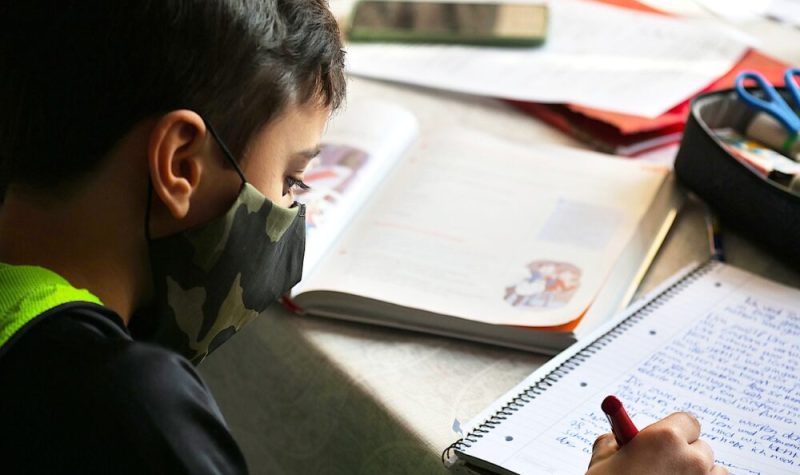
(773, 103)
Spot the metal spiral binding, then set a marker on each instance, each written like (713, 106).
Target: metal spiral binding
(530, 393)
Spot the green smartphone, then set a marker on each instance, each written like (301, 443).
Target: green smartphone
(486, 24)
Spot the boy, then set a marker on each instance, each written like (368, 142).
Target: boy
(148, 153)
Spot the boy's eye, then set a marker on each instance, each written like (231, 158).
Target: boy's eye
(292, 182)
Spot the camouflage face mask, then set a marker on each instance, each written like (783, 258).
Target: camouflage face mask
(211, 280)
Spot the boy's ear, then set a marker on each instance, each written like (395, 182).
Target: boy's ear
(174, 154)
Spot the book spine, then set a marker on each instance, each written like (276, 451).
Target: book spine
(601, 136)
(548, 113)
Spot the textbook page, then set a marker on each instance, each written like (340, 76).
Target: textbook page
(360, 146)
(595, 55)
(724, 348)
(484, 229)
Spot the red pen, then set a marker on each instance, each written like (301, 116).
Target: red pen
(621, 425)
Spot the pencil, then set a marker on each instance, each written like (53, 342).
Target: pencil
(715, 236)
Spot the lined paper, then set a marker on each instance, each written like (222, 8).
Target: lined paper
(726, 347)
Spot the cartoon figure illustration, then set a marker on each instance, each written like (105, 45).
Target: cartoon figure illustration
(329, 176)
(549, 285)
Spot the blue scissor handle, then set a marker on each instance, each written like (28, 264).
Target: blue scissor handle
(774, 105)
(791, 85)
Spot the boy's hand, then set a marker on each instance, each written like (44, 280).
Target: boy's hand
(670, 446)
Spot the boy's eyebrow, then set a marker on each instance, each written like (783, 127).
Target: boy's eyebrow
(309, 153)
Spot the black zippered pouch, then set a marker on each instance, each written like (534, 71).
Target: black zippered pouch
(759, 208)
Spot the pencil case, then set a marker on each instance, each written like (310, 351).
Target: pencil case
(756, 206)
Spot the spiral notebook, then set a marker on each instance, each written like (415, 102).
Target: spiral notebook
(716, 341)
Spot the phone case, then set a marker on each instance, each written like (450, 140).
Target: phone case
(388, 35)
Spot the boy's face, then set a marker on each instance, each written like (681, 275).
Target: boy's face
(281, 151)
(278, 154)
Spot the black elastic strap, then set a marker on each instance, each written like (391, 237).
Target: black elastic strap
(225, 150)
(147, 209)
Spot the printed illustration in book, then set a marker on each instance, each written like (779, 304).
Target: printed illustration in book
(329, 175)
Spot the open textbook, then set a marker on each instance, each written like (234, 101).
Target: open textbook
(718, 342)
(468, 235)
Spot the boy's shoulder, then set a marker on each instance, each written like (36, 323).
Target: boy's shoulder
(80, 342)
(77, 387)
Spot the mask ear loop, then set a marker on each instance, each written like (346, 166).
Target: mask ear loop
(225, 150)
(147, 210)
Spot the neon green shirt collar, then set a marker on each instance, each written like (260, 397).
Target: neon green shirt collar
(28, 291)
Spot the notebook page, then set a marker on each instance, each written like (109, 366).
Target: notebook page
(725, 348)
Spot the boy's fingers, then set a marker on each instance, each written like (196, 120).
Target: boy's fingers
(718, 470)
(685, 425)
(604, 446)
(705, 454)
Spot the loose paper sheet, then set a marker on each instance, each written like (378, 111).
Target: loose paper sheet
(595, 55)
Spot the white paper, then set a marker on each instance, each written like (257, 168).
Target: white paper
(595, 55)
(787, 11)
(734, 11)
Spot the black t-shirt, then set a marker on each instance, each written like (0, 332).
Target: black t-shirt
(78, 395)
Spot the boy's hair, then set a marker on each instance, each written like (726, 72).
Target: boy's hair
(77, 75)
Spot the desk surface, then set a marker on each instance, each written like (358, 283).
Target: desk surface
(310, 395)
